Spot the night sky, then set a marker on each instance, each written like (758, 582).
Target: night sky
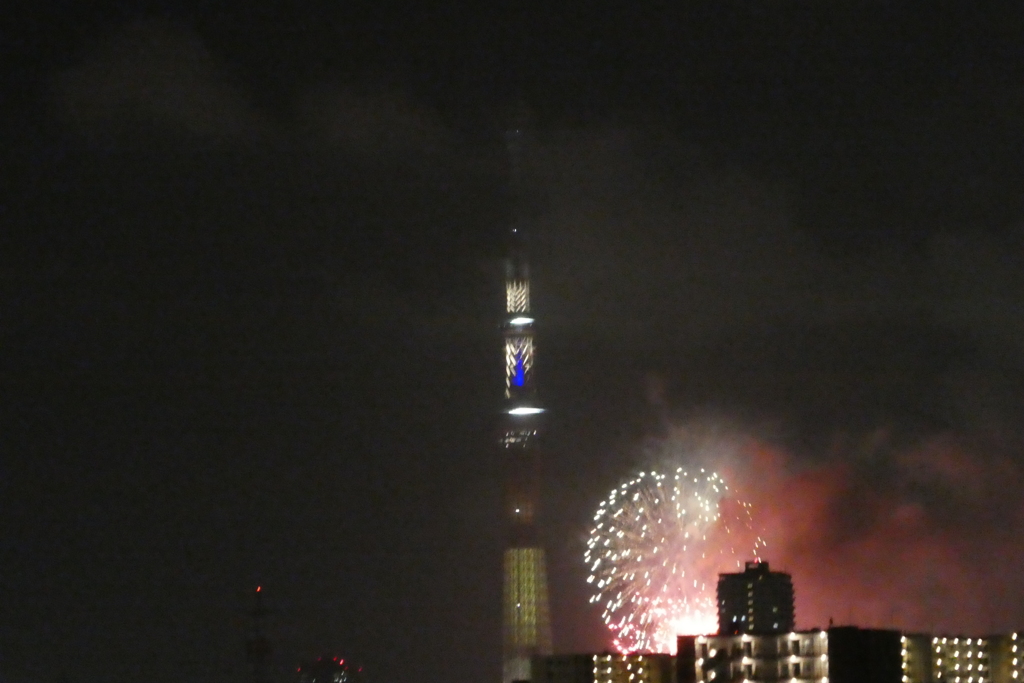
(250, 301)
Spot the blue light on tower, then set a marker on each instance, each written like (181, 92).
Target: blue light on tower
(519, 376)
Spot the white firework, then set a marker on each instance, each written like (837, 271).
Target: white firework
(658, 544)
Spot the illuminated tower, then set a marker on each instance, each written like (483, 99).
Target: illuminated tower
(526, 622)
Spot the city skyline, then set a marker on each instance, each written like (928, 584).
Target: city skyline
(250, 317)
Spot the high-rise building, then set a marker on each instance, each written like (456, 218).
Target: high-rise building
(756, 600)
(526, 621)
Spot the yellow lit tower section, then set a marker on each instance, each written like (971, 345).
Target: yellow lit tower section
(526, 621)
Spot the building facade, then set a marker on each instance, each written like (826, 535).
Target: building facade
(756, 600)
(840, 654)
(798, 655)
(847, 654)
(605, 668)
(963, 659)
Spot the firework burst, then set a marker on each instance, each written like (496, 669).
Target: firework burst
(658, 544)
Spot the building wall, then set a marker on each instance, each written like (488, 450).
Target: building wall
(800, 656)
(962, 659)
(857, 655)
(604, 668)
(562, 669)
(1006, 655)
(918, 661)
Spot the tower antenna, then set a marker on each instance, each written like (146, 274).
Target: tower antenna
(257, 647)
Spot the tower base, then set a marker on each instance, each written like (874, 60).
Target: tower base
(527, 624)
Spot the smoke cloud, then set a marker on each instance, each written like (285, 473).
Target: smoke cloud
(921, 534)
(864, 402)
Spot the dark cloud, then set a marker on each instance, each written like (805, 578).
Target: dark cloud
(154, 77)
(385, 122)
(700, 246)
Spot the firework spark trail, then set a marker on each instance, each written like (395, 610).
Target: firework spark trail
(658, 544)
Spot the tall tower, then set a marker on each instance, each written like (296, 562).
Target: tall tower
(526, 621)
(257, 647)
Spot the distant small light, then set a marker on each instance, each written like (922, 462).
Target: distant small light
(525, 410)
(521, 320)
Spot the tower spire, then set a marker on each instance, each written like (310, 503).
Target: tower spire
(526, 620)
(257, 647)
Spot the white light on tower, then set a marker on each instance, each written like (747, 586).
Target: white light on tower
(525, 410)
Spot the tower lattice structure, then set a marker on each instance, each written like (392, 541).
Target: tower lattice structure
(526, 620)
